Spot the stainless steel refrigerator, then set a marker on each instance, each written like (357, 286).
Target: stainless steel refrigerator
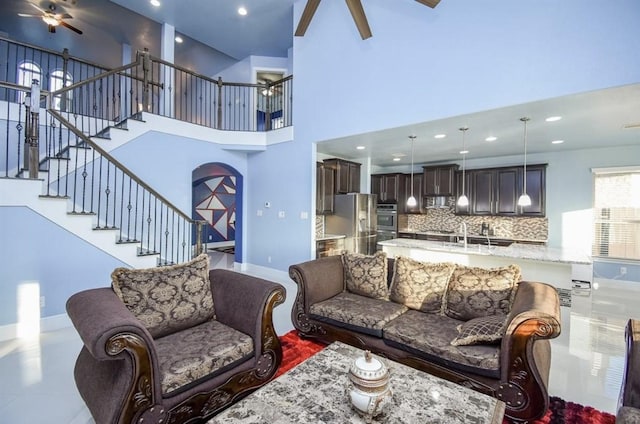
(354, 216)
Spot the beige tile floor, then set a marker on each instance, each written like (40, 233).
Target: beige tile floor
(587, 363)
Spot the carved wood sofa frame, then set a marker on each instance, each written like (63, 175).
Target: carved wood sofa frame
(525, 349)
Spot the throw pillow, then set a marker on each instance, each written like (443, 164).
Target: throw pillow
(479, 292)
(420, 285)
(169, 298)
(366, 275)
(482, 330)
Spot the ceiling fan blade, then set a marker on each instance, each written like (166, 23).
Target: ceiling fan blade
(71, 27)
(305, 19)
(357, 12)
(64, 16)
(38, 7)
(430, 3)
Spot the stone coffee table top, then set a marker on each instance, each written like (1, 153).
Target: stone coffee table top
(315, 392)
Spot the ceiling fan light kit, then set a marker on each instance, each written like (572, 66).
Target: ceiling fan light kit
(53, 17)
(357, 13)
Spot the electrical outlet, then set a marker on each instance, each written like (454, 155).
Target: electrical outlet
(259, 212)
(281, 214)
(623, 270)
(269, 259)
(42, 302)
(304, 215)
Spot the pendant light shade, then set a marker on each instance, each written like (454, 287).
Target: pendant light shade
(411, 201)
(463, 200)
(524, 199)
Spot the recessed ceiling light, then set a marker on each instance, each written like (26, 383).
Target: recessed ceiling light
(242, 11)
(155, 3)
(360, 147)
(178, 39)
(439, 136)
(396, 159)
(557, 142)
(464, 152)
(553, 118)
(491, 138)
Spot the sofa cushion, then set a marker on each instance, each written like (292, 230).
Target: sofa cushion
(202, 351)
(366, 275)
(430, 335)
(420, 285)
(478, 292)
(483, 330)
(628, 415)
(169, 298)
(357, 312)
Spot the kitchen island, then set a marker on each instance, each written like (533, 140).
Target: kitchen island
(555, 266)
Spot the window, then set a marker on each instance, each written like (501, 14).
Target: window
(27, 72)
(616, 211)
(56, 83)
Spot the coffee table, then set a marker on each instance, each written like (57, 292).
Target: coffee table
(315, 392)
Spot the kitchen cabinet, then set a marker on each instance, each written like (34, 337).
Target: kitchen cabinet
(347, 175)
(388, 187)
(439, 180)
(417, 193)
(325, 181)
(495, 191)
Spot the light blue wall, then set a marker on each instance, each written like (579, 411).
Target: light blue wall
(244, 70)
(60, 268)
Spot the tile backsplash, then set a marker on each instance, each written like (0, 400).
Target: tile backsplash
(445, 219)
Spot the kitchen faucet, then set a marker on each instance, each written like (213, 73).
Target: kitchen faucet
(463, 225)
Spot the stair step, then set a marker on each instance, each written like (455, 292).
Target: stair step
(53, 196)
(147, 252)
(128, 241)
(105, 228)
(81, 213)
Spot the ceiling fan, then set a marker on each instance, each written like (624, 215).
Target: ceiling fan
(53, 16)
(357, 12)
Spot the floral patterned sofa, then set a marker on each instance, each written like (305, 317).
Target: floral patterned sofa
(481, 328)
(174, 344)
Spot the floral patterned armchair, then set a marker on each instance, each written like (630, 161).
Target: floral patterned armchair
(174, 344)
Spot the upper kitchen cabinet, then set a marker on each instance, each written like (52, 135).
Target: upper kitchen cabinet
(439, 180)
(495, 191)
(325, 182)
(417, 193)
(347, 175)
(388, 187)
(536, 189)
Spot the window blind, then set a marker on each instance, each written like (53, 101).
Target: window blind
(616, 214)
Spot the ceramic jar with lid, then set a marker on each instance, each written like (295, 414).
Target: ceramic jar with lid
(368, 385)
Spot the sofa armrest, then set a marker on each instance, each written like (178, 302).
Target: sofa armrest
(525, 352)
(98, 315)
(246, 304)
(630, 387)
(318, 279)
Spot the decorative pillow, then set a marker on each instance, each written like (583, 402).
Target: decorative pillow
(420, 285)
(484, 330)
(479, 292)
(169, 298)
(366, 275)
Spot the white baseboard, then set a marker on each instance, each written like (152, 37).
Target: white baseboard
(52, 323)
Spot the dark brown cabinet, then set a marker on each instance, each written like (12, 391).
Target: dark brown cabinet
(388, 187)
(495, 191)
(347, 175)
(417, 193)
(439, 180)
(325, 181)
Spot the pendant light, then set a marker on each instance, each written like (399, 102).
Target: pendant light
(524, 199)
(463, 200)
(411, 201)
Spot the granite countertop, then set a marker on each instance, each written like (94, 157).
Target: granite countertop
(516, 250)
(323, 237)
(475, 236)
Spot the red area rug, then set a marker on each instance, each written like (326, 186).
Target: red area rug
(295, 350)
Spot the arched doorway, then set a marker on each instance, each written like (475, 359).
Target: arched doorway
(217, 199)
